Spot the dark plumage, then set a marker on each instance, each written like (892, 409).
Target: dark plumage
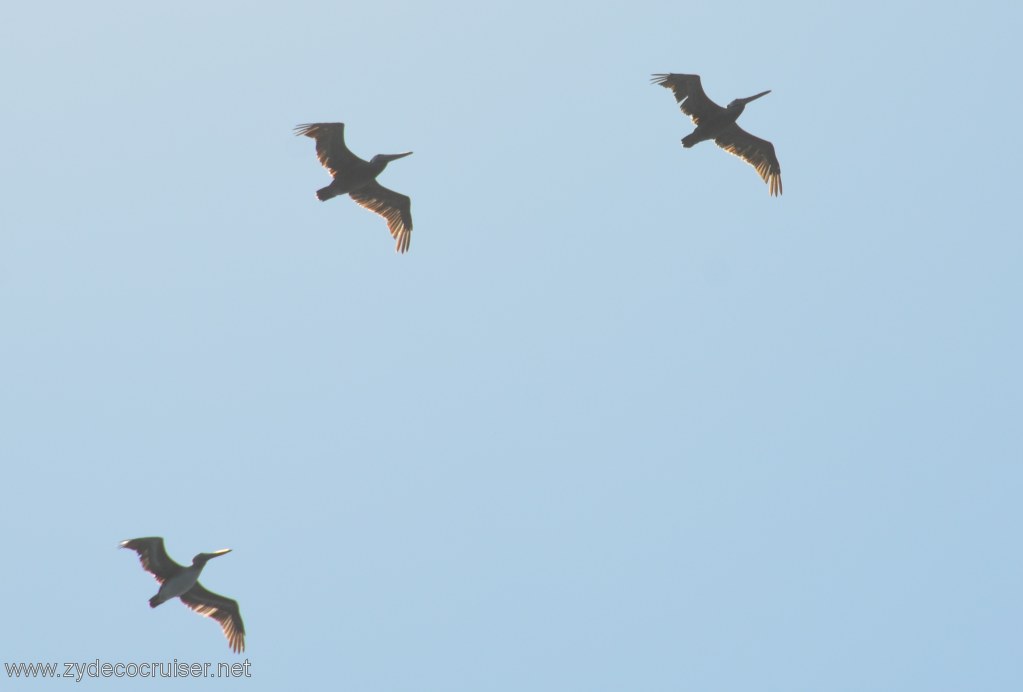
(177, 581)
(357, 178)
(717, 123)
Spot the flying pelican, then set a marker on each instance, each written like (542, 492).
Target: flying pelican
(357, 178)
(717, 123)
(183, 582)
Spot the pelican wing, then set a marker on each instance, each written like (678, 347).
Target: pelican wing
(395, 207)
(154, 557)
(690, 95)
(331, 150)
(757, 152)
(222, 609)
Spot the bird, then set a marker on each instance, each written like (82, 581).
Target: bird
(717, 123)
(357, 178)
(183, 583)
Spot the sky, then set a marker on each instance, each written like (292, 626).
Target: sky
(619, 420)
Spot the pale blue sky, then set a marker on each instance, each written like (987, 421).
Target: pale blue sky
(619, 420)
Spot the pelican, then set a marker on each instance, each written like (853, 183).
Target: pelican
(183, 583)
(717, 123)
(357, 178)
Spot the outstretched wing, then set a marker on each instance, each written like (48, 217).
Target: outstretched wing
(395, 207)
(330, 145)
(690, 96)
(757, 152)
(154, 557)
(222, 609)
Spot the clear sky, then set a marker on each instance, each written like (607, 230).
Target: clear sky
(619, 420)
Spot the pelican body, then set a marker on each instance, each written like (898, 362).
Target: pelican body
(357, 177)
(719, 124)
(177, 581)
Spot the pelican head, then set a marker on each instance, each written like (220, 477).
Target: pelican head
(743, 102)
(203, 558)
(387, 158)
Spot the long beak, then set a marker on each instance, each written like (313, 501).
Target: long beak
(218, 553)
(754, 98)
(392, 157)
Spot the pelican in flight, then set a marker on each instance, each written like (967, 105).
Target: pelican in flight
(183, 583)
(357, 178)
(717, 123)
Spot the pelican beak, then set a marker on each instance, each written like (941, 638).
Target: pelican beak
(754, 98)
(392, 157)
